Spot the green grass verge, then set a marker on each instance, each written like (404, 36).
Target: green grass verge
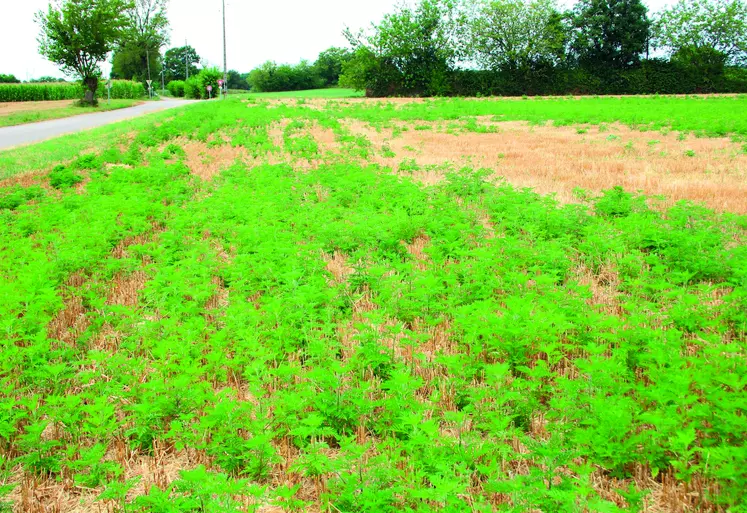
(47, 154)
(33, 116)
(312, 93)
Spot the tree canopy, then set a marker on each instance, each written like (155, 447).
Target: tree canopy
(147, 31)
(176, 60)
(696, 27)
(77, 35)
(284, 77)
(329, 64)
(610, 33)
(515, 34)
(414, 46)
(237, 80)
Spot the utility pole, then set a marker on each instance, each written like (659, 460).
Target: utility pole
(186, 63)
(225, 67)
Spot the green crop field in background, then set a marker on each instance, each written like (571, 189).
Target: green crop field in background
(705, 115)
(121, 89)
(209, 310)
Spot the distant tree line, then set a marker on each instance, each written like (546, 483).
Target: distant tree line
(514, 47)
(11, 79)
(325, 72)
(78, 35)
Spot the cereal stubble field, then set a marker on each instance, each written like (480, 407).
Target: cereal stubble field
(347, 305)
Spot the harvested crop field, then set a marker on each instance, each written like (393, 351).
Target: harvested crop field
(11, 107)
(353, 305)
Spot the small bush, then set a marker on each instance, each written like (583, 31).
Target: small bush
(18, 196)
(87, 162)
(196, 87)
(616, 202)
(192, 88)
(176, 88)
(64, 178)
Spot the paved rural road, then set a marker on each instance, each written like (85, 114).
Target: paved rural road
(35, 132)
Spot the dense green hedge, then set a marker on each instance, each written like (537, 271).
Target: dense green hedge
(651, 76)
(176, 88)
(121, 89)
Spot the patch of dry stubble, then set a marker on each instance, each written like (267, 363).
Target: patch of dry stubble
(560, 159)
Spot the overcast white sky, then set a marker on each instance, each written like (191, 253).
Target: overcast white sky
(258, 30)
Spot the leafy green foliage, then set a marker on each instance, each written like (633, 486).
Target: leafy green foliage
(14, 198)
(271, 77)
(196, 87)
(176, 61)
(329, 64)
(176, 88)
(78, 34)
(63, 178)
(514, 35)
(396, 380)
(131, 62)
(237, 81)
(715, 26)
(409, 52)
(138, 55)
(518, 47)
(610, 33)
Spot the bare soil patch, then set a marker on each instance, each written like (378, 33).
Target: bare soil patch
(12, 107)
(208, 161)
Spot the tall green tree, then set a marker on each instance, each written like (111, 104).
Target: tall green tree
(237, 80)
(176, 61)
(411, 51)
(9, 79)
(610, 33)
(132, 62)
(77, 35)
(516, 34)
(694, 29)
(329, 64)
(138, 57)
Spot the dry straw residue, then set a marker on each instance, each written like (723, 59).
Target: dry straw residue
(560, 159)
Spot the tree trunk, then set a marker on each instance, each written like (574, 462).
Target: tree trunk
(90, 85)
